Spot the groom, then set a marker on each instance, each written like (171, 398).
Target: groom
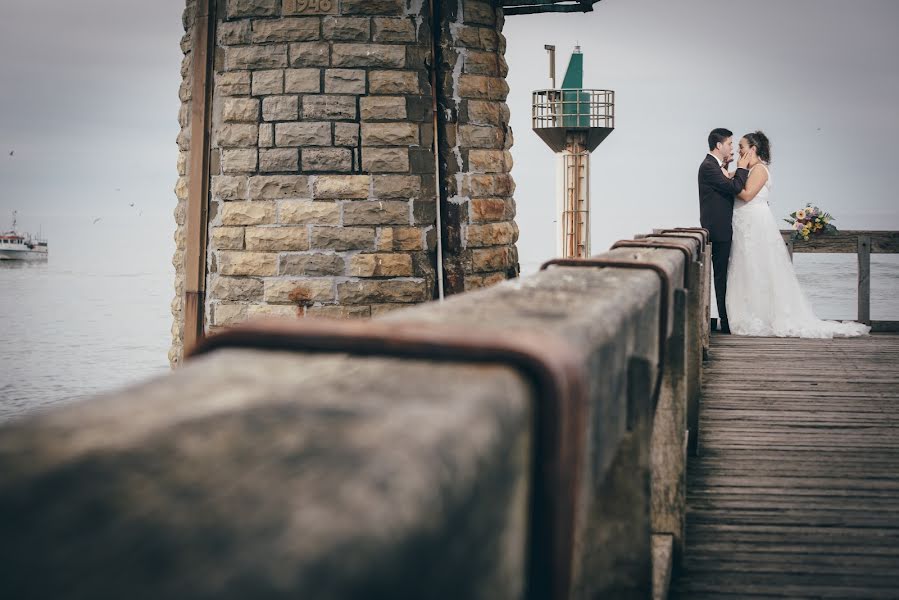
(716, 207)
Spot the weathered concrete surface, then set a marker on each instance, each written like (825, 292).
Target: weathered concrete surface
(619, 532)
(697, 333)
(676, 415)
(275, 475)
(669, 436)
(608, 315)
(662, 558)
(264, 475)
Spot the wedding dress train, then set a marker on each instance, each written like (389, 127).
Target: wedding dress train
(764, 297)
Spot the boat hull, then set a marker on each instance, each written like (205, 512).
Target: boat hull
(23, 255)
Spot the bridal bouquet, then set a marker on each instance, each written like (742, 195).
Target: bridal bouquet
(809, 221)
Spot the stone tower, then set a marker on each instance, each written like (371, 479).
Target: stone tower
(314, 177)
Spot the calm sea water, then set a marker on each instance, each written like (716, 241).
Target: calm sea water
(96, 316)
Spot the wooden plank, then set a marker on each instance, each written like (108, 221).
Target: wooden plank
(743, 587)
(796, 493)
(885, 326)
(845, 242)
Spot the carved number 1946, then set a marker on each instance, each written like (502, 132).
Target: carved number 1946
(315, 6)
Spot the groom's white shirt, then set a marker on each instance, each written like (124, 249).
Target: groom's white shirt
(720, 163)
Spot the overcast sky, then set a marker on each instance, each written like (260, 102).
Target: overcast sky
(820, 77)
(89, 104)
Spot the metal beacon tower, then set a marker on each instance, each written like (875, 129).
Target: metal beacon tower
(573, 121)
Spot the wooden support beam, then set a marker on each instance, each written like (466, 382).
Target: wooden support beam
(202, 51)
(882, 242)
(864, 279)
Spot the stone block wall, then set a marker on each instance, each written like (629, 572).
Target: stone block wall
(323, 191)
(478, 211)
(180, 212)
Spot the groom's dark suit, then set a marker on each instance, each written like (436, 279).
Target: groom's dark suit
(716, 209)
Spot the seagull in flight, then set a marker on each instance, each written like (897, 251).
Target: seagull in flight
(95, 220)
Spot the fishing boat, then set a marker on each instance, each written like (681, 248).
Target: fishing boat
(22, 246)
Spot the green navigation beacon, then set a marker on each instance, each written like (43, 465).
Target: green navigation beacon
(573, 121)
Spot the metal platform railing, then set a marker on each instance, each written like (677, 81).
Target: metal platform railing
(575, 108)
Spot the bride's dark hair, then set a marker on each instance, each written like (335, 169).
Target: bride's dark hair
(762, 146)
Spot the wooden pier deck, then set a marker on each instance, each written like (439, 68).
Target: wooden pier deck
(795, 493)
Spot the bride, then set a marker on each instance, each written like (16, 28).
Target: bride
(764, 297)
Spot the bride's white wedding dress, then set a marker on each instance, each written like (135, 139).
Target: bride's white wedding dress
(764, 297)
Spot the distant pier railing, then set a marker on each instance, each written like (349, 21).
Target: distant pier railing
(863, 244)
(528, 440)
